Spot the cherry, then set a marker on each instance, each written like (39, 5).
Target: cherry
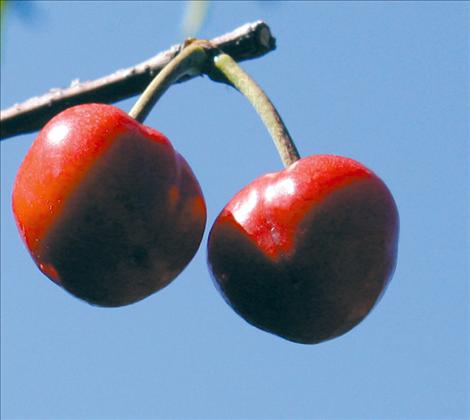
(106, 207)
(306, 252)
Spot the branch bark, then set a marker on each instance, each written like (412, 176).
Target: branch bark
(249, 41)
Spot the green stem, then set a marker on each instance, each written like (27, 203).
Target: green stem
(191, 60)
(262, 104)
(198, 57)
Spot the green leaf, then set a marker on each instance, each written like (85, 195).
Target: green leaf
(195, 14)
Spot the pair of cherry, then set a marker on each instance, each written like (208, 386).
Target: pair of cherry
(111, 212)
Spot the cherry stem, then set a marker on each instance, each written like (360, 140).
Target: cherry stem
(198, 57)
(190, 61)
(262, 104)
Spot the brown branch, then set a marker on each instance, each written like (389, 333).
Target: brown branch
(246, 42)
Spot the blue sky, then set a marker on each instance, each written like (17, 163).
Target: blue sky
(385, 83)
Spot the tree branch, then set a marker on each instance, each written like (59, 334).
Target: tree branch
(249, 41)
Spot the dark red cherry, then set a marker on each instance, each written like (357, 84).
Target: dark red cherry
(305, 253)
(107, 208)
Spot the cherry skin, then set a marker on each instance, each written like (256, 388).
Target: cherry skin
(106, 207)
(306, 252)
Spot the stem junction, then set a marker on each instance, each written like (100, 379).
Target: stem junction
(202, 57)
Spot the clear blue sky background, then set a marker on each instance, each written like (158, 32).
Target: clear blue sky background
(385, 83)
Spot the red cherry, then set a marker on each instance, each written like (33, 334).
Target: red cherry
(306, 252)
(107, 208)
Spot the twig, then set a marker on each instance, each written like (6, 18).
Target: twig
(246, 42)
